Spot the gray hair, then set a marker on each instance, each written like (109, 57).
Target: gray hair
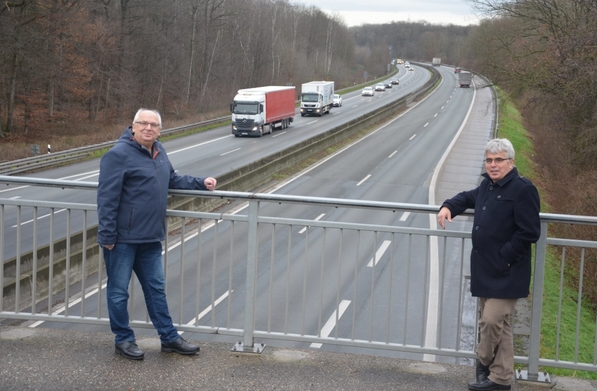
(153, 111)
(500, 145)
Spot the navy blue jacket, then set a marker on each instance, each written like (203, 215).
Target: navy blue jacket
(506, 223)
(132, 193)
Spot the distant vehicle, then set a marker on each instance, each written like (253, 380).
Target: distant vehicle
(436, 61)
(465, 79)
(395, 81)
(380, 87)
(388, 84)
(257, 111)
(317, 97)
(411, 69)
(407, 64)
(337, 100)
(368, 91)
(457, 70)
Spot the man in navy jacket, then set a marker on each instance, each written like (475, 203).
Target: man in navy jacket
(506, 223)
(132, 198)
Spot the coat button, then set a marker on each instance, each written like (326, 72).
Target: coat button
(484, 207)
(477, 228)
(499, 196)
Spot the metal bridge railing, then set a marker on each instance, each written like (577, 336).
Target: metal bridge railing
(303, 270)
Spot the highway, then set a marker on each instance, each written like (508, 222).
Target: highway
(393, 163)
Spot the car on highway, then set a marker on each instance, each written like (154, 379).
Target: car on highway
(388, 84)
(411, 69)
(395, 81)
(456, 70)
(380, 87)
(368, 91)
(337, 100)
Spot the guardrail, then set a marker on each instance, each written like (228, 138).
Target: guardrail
(274, 276)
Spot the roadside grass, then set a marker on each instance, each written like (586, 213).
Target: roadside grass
(561, 338)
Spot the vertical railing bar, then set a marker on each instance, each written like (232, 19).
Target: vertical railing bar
(51, 264)
(560, 302)
(460, 292)
(341, 232)
(35, 260)
(372, 286)
(230, 269)
(427, 285)
(68, 252)
(249, 325)
(407, 287)
(271, 279)
(183, 235)
(579, 302)
(198, 274)
(390, 287)
(537, 304)
(100, 265)
(356, 279)
(440, 313)
(321, 279)
(288, 252)
(305, 272)
(18, 263)
(84, 263)
(214, 265)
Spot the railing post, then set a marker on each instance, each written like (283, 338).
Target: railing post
(246, 346)
(536, 312)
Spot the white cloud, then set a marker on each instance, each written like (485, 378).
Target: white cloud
(358, 12)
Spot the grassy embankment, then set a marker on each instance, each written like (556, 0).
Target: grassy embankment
(512, 128)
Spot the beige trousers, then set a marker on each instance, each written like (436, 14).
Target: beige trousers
(496, 342)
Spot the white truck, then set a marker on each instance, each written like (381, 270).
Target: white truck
(317, 98)
(465, 79)
(256, 111)
(436, 61)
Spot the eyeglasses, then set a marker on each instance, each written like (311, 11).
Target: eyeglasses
(144, 124)
(497, 160)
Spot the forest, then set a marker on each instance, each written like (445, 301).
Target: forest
(73, 72)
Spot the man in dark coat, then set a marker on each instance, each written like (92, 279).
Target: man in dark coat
(506, 223)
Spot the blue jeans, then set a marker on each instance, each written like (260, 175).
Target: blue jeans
(145, 260)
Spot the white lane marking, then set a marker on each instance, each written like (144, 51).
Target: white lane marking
(39, 218)
(317, 219)
(379, 253)
(435, 115)
(364, 179)
(279, 134)
(226, 153)
(331, 323)
(426, 125)
(412, 137)
(14, 198)
(199, 145)
(208, 309)
(404, 216)
(392, 154)
(312, 122)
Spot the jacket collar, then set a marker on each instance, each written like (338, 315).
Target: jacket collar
(502, 182)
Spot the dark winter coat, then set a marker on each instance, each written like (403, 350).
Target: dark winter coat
(132, 194)
(506, 223)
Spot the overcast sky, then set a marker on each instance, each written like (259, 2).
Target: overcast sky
(357, 12)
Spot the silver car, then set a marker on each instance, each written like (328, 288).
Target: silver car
(337, 100)
(368, 91)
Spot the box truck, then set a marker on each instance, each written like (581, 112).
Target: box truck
(465, 79)
(257, 111)
(436, 61)
(317, 98)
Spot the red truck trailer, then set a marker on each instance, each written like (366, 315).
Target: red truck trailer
(258, 111)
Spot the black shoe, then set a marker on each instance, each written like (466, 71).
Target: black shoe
(179, 346)
(129, 350)
(487, 385)
(481, 372)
